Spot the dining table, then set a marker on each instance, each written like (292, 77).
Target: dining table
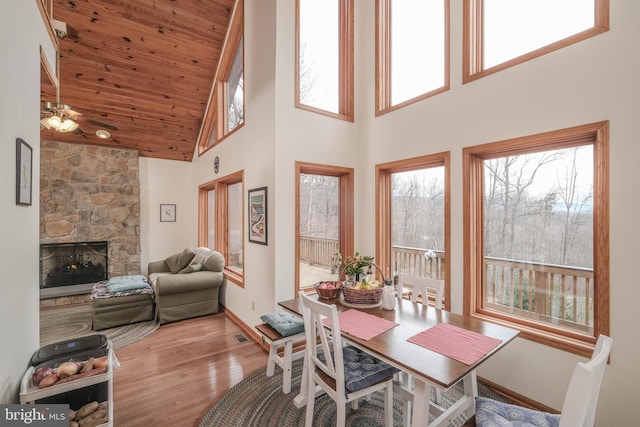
(437, 347)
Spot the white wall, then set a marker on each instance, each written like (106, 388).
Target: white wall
(166, 182)
(23, 31)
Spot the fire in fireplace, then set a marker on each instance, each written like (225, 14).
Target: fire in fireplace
(63, 264)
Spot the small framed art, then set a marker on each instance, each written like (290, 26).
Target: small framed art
(167, 213)
(258, 215)
(24, 163)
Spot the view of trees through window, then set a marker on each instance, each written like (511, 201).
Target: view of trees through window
(235, 91)
(417, 221)
(538, 232)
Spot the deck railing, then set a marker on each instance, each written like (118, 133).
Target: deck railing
(535, 290)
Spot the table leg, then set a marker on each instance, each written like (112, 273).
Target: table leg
(420, 406)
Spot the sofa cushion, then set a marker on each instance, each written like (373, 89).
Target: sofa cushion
(180, 260)
(285, 323)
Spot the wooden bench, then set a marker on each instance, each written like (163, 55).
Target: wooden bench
(276, 343)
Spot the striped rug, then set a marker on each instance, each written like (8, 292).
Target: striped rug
(74, 321)
(258, 400)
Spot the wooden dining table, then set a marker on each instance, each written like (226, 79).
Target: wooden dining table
(428, 367)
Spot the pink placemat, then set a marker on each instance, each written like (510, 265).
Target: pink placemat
(362, 325)
(457, 343)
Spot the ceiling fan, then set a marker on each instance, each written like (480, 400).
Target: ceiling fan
(60, 117)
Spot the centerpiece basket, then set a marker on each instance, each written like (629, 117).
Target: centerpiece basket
(353, 295)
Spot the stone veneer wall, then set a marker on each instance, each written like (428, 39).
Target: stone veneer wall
(92, 193)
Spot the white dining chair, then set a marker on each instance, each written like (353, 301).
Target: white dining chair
(580, 401)
(423, 287)
(361, 375)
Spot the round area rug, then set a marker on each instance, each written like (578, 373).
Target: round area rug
(258, 401)
(74, 321)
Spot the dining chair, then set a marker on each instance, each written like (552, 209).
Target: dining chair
(580, 401)
(345, 373)
(424, 287)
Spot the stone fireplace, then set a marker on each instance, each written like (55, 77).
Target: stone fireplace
(90, 194)
(68, 264)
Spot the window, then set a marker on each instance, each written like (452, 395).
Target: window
(221, 220)
(324, 220)
(324, 57)
(412, 46)
(537, 235)
(225, 110)
(413, 211)
(501, 33)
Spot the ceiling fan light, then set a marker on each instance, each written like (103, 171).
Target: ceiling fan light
(67, 125)
(103, 134)
(53, 122)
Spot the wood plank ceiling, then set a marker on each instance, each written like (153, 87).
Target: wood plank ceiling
(146, 66)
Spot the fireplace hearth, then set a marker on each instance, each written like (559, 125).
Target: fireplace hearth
(69, 264)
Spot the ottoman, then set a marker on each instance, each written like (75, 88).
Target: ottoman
(119, 308)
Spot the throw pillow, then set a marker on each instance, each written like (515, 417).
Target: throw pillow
(180, 260)
(192, 267)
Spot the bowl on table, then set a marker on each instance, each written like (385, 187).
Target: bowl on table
(328, 289)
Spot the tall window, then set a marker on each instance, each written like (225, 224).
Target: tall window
(501, 33)
(220, 222)
(412, 46)
(413, 210)
(536, 223)
(225, 109)
(324, 220)
(324, 57)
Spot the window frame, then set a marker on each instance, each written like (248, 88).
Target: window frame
(346, 64)
(383, 60)
(473, 45)
(383, 218)
(596, 134)
(213, 130)
(220, 186)
(346, 221)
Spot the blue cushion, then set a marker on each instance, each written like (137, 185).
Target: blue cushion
(362, 369)
(490, 413)
(284, 322)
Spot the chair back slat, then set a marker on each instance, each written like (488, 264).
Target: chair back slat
(581, 399)
(422, 286)
(323, 339)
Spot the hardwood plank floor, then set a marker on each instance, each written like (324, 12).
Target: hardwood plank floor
(172, 377)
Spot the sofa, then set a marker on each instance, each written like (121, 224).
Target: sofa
(187, 284)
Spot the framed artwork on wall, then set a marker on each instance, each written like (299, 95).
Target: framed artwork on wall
(24, 163)
(258, 215)
(167, 213)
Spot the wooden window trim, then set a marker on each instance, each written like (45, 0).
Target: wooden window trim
(220, 186)
(215, 111)
(383, 209)
(596, 134)
(383, 60)
(346, 64)
(473, 43)
(347, 214)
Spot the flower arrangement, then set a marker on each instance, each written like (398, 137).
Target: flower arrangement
(352, 265)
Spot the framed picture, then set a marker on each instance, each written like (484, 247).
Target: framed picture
(24, 163)
(258, 215)
(167, 213)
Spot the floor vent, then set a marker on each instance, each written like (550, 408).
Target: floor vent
(240, 338)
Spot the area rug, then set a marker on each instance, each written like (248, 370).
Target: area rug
(74, 321)
(258, 400)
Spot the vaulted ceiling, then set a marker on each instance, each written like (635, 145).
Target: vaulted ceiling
(146, 66)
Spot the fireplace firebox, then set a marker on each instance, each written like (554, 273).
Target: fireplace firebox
(65, 264)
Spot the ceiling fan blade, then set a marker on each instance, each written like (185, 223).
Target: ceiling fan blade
(100, 123)
(78, 131)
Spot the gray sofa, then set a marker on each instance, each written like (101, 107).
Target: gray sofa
(187, 284)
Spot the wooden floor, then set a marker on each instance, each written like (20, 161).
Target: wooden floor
(172, 377)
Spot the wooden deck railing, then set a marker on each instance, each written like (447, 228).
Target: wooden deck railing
(535, 290)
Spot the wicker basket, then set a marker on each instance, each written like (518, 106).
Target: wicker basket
(357, 296)
(328, 293)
